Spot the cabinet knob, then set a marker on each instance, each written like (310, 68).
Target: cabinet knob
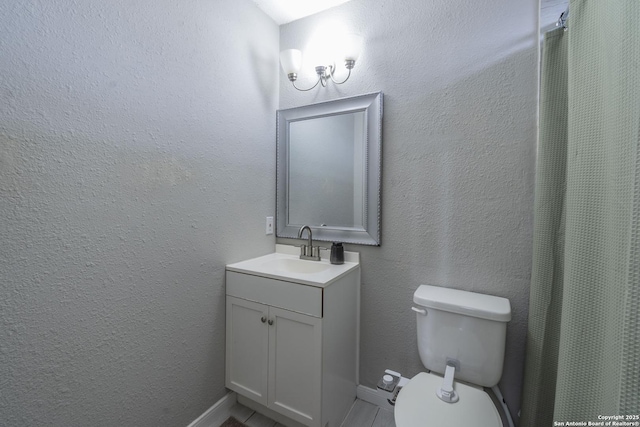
(263, 319)
(271, 321)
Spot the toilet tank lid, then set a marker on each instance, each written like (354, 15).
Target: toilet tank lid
(463, 302)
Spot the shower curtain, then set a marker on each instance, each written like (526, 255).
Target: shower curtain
(583, 342)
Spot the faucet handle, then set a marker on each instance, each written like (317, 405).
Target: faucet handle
(303, 250)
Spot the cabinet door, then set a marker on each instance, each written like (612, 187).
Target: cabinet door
(295, 365)
(247, 344)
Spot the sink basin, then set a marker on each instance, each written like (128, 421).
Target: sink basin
(298, 265)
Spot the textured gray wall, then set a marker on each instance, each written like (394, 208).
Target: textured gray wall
(137, 158)
(129, 177)
(459, 131)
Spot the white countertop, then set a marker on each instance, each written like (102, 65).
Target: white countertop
(285, 264)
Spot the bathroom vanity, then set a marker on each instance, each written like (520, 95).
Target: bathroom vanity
(292, 336)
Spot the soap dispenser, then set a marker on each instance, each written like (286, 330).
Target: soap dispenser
(337, 253)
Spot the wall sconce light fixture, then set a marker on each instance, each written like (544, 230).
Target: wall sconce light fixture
(291, 61)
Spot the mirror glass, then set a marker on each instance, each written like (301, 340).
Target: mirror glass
(329, 170)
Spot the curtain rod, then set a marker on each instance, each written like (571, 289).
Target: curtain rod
(562, 21)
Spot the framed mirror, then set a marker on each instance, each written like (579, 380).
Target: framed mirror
(328, 170)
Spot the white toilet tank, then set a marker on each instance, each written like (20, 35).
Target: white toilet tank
(465, 326)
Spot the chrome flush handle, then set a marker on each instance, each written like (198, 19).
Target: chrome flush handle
(419, 310)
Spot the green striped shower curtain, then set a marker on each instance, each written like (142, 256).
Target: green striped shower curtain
(583, 342)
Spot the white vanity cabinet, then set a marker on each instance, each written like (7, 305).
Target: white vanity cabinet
(277, 362)
(292, 348)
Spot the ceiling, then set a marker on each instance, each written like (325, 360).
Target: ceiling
(284, 11)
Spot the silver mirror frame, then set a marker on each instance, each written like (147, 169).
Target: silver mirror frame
(371, 105)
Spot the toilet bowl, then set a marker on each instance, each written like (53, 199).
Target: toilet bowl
(417, 405)
(461, 338)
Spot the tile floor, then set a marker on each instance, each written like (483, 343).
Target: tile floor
(362, 414)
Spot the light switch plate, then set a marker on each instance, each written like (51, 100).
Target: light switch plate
(269, 225)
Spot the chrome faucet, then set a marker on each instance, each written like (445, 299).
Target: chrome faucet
(308, 251)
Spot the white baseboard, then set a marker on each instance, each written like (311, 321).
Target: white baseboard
(376, 397)
(218, 413)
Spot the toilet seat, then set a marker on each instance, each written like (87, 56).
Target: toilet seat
(418, 406)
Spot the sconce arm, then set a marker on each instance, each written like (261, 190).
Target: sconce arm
(331, 70)
(305, 90)
(324, 74)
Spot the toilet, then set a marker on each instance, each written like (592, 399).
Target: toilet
(461, 340)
